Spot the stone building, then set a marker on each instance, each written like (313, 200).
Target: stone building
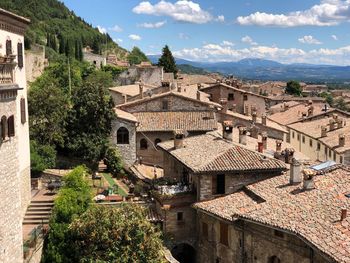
(15, 189)
(94, 59)
(206, 167)
(148, 74)
(295, 218)
(35, 62)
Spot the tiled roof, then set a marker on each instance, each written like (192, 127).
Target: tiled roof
(187, 79)
(125, 115)
(212, 153)
(233, 88)
(290, 97)
(170, 121)
(313, 215)
(130, 90)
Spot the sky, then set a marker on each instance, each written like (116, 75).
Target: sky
(293, 31)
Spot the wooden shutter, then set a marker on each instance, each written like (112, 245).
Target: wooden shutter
(224, 234)
(23, 111)
(3, 127)
(20, 55)
(8, 47)
(11, 126)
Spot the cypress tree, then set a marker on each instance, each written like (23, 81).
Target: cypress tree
(167, 61)
(62, 48)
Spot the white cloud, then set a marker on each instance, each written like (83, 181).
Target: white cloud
(309, 40)
(334, 37)
(135, 37)
(227, 43)
(184, 36)
(249, 40)
(118, 40)
(102, 30)
(216, 53)
(116, 28)
(153, 25)
(327, 13)
(220, 18)
(182, 10)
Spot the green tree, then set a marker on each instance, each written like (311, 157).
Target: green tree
(101, 78)
(167, 61)
(136, 56)
(62, 47)
(114, 162)
(294, 88)
(340, 104)
(41, 157)
(115, 234)
(329, 98)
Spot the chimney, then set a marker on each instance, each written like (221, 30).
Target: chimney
(141, 90)
(285, 107)
(340, 122)
(341, 140)
(179, 87)
(335, 116)
(199, 86)
(344, 213)
(263, 119)
(254, 132)
(243, 135)
(179, 136)
(310, 111)
(331, 124)
(227, 130)
(198, 95)
(264, 139)
(254, 115)
(323, 131)
(295, 172)
(309, 102)
(289, 155)
(260, 147)
(308, 179)
(278, 146)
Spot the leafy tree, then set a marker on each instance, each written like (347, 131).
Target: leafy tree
(294, 88)
(62, 47)
(340, 104)
(115, 71)
(119, 234)
(41, 157)
(101, 78)
(167, 61)
(114, 162)
(328, 97)
(136, 56)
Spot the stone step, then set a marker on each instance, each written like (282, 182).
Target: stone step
(35, 221)
(35, 217)
(39, 209)
(41, 205)
(38, 213)
(42, 202)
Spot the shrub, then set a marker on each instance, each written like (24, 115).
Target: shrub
(41, 157)
(114, 162)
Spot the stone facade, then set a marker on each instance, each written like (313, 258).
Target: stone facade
(35, 62)
(249, 242)
(94, 59)
(148, 75)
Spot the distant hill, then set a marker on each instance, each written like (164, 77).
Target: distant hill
(188, 69)
(52, 19)
(261, 69)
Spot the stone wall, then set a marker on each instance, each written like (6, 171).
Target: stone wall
(35, 62)
(127, 151)
(258, 244)
(26, 195)
(94, 59)
(148, 75)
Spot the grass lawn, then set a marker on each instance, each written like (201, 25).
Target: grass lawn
(112, 182)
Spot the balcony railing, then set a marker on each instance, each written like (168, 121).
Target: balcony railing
(7, 65)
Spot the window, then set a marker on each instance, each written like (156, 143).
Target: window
(23, 111)
(303, 138)
(310, 142)
(325, 151)
(318, 146)
(180, 216)
(3, 127)
(11, 126)
(334, 156)
(20, 55)
(205, 232)
(210, 97)
(218, 183)
(143, 144)
(293, 134)
(165, 105)
(8, 47)
(224, 234)
(245, 97)
(341, 159)
(156, 141)
(330, 153)
(298, 137)
(122, 136)
(231, 97)
(274, 259)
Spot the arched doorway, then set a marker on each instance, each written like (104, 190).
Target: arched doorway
(184, 253)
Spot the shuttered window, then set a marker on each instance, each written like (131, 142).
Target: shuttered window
(3, 126)
(23, 111)
(20, 55)
(224, 234)
(11, 126)
(8, 47)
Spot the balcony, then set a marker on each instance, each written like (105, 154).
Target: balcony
(7, 66)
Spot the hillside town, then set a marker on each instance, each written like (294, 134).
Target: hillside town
(114, 158)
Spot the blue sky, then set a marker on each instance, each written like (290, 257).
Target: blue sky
(309, 31)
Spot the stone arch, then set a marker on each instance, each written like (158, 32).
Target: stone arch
(122, 136)
(184, 253)
(143, 144)
(156, 141)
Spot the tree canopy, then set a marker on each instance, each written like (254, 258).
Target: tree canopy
(136, 56)
(294, 88)
(167, 61)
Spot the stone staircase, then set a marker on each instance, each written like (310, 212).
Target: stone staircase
(38, 212)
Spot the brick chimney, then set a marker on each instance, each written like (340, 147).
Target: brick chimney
(254, 132)
(341, 140)
(263, 119)
(243, 135)
(323, 131)
(227, 130)
(179, 136)
(295, 172)
(254, 115)
(198, 95)
(331, 124)
(308, 179)
(278, 146)
(264, 139)
(141, 90)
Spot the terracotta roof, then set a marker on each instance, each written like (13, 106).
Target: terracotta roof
(290, 97)
(295, 113)
(125, 115)
(313, 215)
(187, 79)
(130, 90)
(170, 121)
(212, 153)
(233, 88)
